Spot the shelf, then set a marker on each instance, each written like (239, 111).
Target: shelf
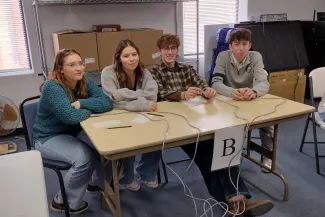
(87, 2)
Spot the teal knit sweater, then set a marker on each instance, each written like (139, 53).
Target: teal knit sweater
(56, 115)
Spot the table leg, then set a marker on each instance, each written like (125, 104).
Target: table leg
(110, 196)
(248, 146)
(271, 155)
(116, 189)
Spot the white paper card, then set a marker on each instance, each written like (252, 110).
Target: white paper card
(89, 60)
(227, 143)
(140, 119)
(155, 55)
(105, 124)
(195, 101)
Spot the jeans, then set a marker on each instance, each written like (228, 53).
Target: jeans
(217, 182)
(266, 134)
(71, 150)
(146, 168)
(97, 176)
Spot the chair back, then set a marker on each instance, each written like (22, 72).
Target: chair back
(28, 111)
(317, 82)
(22, 185)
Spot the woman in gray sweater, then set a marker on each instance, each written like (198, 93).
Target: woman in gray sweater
(132, 88)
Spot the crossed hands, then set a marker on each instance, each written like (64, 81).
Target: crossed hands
(152, 106)
(244, 94)
(193, 92)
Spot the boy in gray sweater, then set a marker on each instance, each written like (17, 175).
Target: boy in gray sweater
(240, 74)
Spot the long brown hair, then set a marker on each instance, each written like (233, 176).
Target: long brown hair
(121, 75)
(57, 76)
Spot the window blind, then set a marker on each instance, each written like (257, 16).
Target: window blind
(210, 12)
(14, 55)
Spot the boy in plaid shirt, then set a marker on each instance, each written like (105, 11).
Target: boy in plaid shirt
(177, 81)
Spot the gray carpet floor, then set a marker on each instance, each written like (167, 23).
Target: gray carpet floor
(306, 188)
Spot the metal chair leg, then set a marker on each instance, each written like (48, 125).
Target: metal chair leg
(158, 176)
(316, 147)
(304, 134)
(164, 170)
(64, 194)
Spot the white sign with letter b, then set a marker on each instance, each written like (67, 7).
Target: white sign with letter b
(227, 143)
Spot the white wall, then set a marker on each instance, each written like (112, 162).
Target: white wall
(163, 16)
(295, 9)
(81, 17)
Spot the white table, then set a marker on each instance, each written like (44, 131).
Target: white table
(143, 138)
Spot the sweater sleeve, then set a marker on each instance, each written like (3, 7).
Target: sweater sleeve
(128, 99)
(218, 75)
(56, 100)
(261, 84)
(149, 88)
(138, 105)
(197, 81)
(97, 101)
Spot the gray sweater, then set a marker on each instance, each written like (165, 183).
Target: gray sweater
(146, 90)
(227, 77)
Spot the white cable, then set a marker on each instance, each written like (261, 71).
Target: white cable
(245, 134)
(185, 187)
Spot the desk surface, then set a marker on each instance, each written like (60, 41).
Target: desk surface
(208, 117)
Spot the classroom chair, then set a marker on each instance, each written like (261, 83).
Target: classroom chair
(317, 89)
(28, 110)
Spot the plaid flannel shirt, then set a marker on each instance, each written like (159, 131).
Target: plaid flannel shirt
(179, 78)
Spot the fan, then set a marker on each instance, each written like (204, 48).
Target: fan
(9, 120)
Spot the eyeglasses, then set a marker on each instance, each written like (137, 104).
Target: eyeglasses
(172, 49)
(75, 65)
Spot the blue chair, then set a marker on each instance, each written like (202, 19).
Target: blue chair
(222, 44)
(28, 110)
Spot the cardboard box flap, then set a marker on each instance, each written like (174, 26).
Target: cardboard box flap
(140, 29)
(69, 31)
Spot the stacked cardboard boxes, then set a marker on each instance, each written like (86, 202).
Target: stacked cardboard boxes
(84, 43)
(288, 84)
(97, 49)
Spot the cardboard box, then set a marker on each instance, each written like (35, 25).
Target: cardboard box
(288, 84)
(145, 39)
(106, 43)
(84, 43)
